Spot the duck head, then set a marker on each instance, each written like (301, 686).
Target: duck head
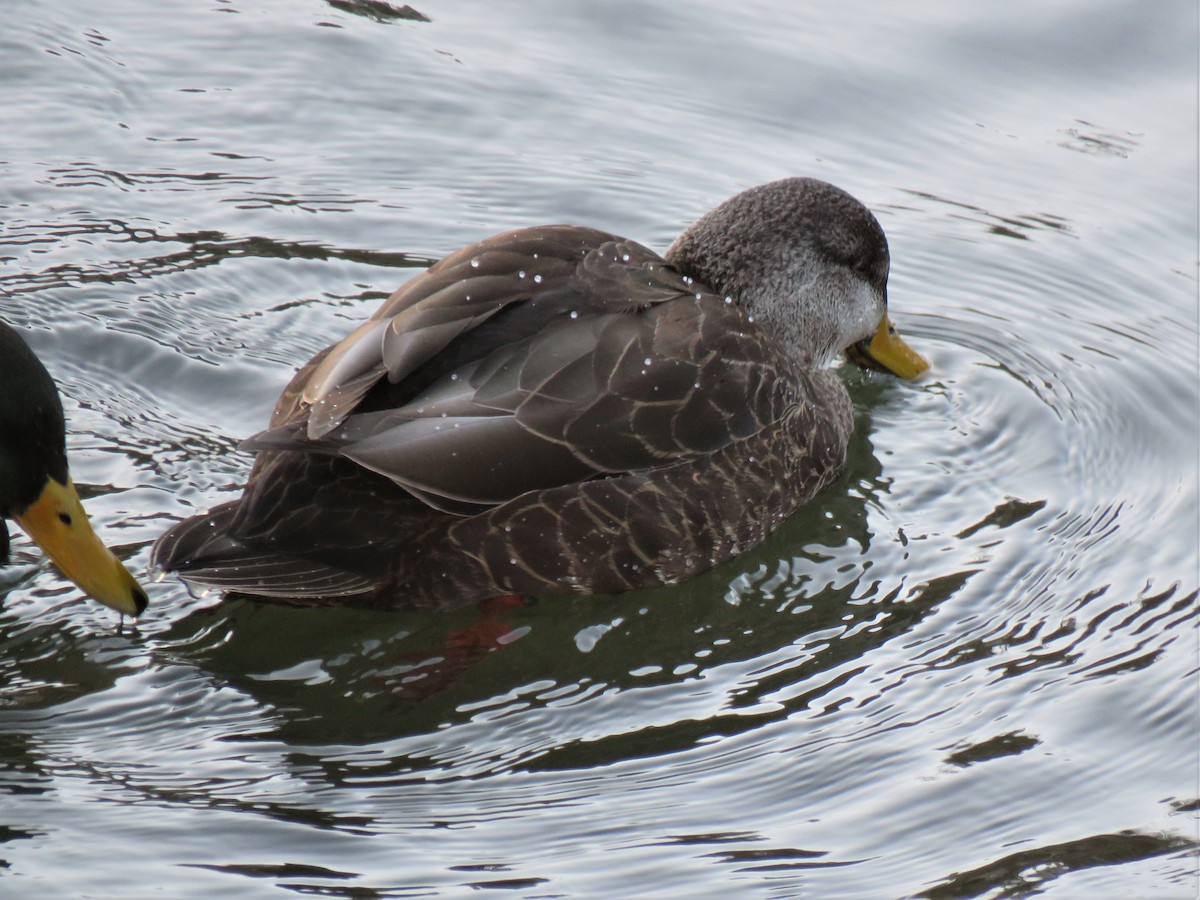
(36, 489)
(810, 263)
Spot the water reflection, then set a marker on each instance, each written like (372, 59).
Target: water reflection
(379, 10)
(203, 248)
(1030, 871)
(1089, 139)
(1018, 227)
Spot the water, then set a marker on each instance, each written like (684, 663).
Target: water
(970, 669)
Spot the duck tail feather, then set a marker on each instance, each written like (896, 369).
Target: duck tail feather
(203, 553)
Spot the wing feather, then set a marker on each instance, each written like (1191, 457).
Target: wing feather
(536, 359)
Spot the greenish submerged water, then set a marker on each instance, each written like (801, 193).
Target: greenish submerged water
(969, 670)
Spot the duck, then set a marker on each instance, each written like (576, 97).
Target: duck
(36, 489)
(557, 410)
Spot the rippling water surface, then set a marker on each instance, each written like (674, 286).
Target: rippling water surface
(969, 669)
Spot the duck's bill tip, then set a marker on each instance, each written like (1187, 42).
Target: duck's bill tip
(889, 352)
(57, 523)
(137, 597)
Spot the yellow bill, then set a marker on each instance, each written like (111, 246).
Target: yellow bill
(888, 351)
(57, 522)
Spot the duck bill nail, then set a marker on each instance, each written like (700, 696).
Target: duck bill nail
(888, 351)
(57, 523)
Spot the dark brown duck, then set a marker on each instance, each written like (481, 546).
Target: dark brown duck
(559, 410)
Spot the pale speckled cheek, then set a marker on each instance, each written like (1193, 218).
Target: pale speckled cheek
(861, 317)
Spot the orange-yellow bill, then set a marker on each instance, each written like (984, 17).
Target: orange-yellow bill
(888, 351)
(57, 522)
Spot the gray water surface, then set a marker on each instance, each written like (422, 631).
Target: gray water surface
(968, 670)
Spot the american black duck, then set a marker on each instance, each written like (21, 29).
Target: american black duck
(559, 410)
